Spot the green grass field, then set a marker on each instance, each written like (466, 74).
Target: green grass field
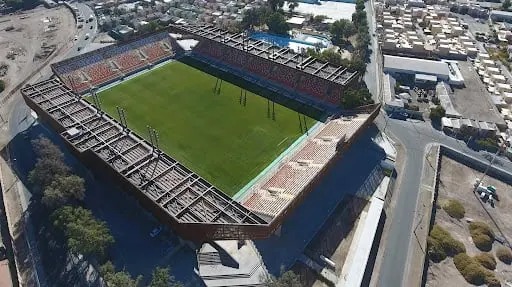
(225, 142)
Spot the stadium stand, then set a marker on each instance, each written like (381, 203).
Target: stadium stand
(272, 195)
(179, 197)
(320, 81)
(194, 208)
(111, 63)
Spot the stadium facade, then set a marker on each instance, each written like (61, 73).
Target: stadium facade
(177, 196)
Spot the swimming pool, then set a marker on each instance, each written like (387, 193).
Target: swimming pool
(297, 43)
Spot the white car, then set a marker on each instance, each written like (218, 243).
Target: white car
(156, 231)
(76, 37)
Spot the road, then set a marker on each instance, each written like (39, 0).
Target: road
(414, 136)
(20, 118)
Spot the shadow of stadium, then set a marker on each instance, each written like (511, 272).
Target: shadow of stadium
(133, 251)
(308, 219)
(232, 78)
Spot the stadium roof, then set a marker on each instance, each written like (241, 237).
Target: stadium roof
(178, 191)
(282, 55)
(417, 66)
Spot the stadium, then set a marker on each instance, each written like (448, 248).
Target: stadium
(241, 130)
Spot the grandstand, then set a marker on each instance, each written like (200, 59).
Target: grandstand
(106, 65)
(314, 80)
(297, 172)
(177, 196)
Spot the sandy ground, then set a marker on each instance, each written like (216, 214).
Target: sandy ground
(26, 40)
(456, 182)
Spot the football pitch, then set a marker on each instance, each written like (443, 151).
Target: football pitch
(224, 141)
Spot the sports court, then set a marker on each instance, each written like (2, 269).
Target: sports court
(223, 135)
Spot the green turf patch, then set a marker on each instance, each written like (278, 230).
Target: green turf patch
(222, 140)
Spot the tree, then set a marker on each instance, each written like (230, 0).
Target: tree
(437, 113)
(44, 148)
(2, 86)
(341, 30)
(506, 5)
(292, 4)
(286, 279)
(254, 18)
(49, 165)
(275, 5)
(63, 189)
(356, 97)
(85, 234)
(277, 24)
(162, 278)
(117, 279)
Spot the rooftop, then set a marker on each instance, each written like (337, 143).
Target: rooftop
(419, 66)
(284, 56)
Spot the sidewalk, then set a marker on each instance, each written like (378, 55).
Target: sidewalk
(25, 266)
(423, 212)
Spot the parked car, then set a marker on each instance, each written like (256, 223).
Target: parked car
(156, 231)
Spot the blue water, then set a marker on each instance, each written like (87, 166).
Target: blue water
(294, 43)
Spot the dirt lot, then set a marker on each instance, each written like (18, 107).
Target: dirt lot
(27, 39)
(473, 101)
(456, 182)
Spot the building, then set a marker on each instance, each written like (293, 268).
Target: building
(413, 66)
(501, 16)
(469, 127)
(424, 71)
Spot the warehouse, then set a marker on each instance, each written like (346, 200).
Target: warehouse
(413, 66)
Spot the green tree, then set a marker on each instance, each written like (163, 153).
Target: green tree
(275, 5)
(292, 4)
(506, 5)
(63, 189)
(356, 97)
(286, 279)
(85, 234)
(276, 24)
(49, 165)
(2, 86)
(162, 278)
(341, 30)
(437, 113)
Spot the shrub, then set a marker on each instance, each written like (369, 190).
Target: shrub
(469, 269)
(491, 280)
(455, 209)
(482, 235)
(504, 255)
(482, 242)
(442, 244)
(486, 260)
(437, 113)
(435, 251)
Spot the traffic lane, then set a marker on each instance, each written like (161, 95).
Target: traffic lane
(400, 231)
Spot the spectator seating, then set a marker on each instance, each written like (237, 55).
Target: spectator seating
(313, 86)
(284, 75)
(76, 81)
(271, 196)
(99, 73)
(155, 52)
(129, 61)
(96, 65)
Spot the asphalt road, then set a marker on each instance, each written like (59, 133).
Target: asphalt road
(414, 136)
(20, 117)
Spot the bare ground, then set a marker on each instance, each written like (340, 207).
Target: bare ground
(456, 182)
(27, 39)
